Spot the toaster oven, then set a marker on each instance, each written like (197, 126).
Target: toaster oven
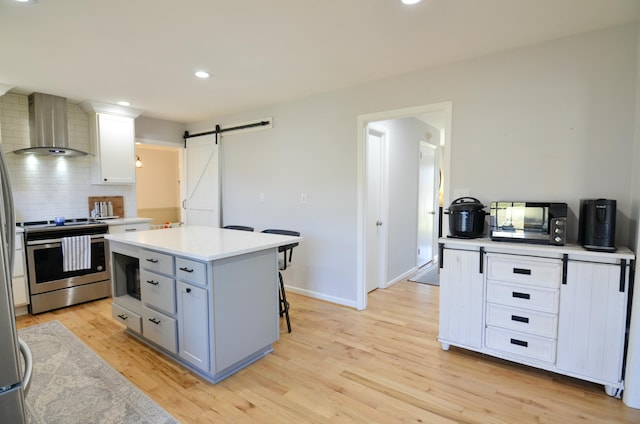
(528, 222)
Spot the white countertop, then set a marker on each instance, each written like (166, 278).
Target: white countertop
(545, 249)
(203, 243)
(125, 221)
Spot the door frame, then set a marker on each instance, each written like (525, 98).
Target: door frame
(362, 123)
(384, 202)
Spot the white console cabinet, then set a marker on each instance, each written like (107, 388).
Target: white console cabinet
(461, 318)
(558, 308)
(591, 329)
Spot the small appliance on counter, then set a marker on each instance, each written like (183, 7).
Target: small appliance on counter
(466, 218)
(598, 224)
(528, 222)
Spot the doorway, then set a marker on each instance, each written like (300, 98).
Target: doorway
(158, 183)
(443, 112)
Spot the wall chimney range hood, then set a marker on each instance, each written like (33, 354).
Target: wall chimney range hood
(48, 127)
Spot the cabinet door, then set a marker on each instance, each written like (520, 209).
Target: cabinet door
(461, 298)
(116, 149)
(193, 325)
(591, 324)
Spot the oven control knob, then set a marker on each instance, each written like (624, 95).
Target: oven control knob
(558, 239)
(559, 231)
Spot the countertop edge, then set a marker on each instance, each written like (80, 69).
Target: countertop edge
(514, 247)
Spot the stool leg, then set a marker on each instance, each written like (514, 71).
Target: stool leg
(284, 305)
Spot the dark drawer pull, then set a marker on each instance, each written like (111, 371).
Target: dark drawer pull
(519, 342)
(521, 295)
(153, 261)
(520, 319)
(522, 271)
(155, 283)
(185, 269)
(127, 230)
(157, 321)
(123, 317)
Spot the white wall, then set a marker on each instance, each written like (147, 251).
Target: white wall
(45, 187)
(552, 122)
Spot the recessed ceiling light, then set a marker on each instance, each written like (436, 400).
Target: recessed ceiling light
(27, 1)
(410, 1)
(124, 103)
(202, 74)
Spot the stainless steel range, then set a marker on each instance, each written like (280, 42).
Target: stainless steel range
(53, 283)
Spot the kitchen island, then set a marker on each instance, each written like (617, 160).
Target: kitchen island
(205, 297)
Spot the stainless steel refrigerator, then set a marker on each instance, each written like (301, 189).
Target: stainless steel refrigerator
(14, 381)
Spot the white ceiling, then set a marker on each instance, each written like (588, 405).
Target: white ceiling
(262, 52)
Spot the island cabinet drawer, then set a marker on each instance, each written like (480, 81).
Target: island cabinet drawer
(157, 262)
(160, 329)
(521, 296)
(526, 270)
(158, 291)
(192, 271)
(132, 320)
(532, 322)
(517, 343)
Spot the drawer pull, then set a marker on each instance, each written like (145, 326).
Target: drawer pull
(155, 283)
(520, 319)
(521, 295)
(522, 271)
(153, 261)
(185, 269)
(519, 342)
(157, 321)
(130, 229)
(123, 317)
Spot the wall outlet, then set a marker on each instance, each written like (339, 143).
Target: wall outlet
(303, 198)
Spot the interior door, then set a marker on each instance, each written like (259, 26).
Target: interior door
(202, 203)
(426, 202)
(375, 268)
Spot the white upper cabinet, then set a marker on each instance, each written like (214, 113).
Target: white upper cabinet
(112, 130)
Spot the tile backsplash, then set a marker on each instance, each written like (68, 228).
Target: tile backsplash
(45, 187)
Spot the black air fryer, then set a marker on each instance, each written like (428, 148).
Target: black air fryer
(598, 224)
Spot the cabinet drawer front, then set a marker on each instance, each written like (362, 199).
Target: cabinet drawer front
(193, 271)
(521, 296)
(158, 291)
(115, 229)
(18, 263)
(532, 271)
(160, 329)
(157, 262)
(532, 322)
(521, 344)
(18, 245)
(131, 320)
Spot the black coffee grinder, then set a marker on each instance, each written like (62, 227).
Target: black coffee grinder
(598, 224)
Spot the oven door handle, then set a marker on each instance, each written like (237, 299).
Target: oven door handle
(57, 241)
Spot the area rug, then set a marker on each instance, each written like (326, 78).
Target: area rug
(428, 276)
(72, 384)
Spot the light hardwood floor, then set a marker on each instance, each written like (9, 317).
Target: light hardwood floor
(382, 365)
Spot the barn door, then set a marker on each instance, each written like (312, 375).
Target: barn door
(202, 203)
